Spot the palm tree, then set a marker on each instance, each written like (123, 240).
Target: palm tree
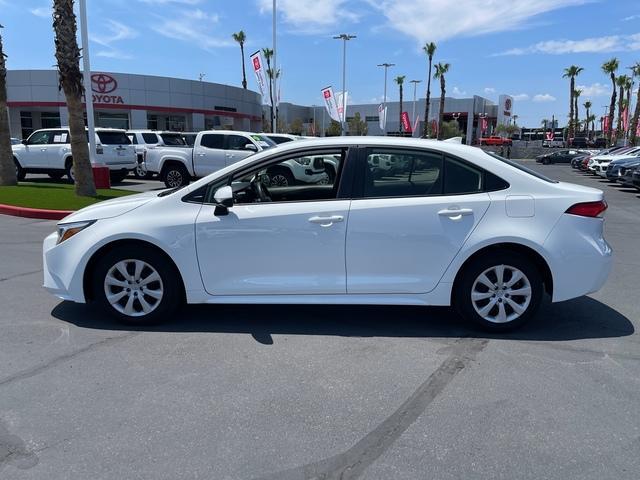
(400, 81)
(268, 53)
(240, 37)
(591, 119)
(610, 68)
(70, 78)
(571, 73)
(441, 69)
(7, 168)
(270, 74)
(621, 82)
(576, 94)
(587, 107)
(636, 114)
(430, 50)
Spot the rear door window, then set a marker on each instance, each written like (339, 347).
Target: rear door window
(150, 138)
(60, 137)
(212, 140)
(113, 138)
(172, 139)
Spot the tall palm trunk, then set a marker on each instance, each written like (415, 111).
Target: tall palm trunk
(576, 123)
(586, 123)
(70, 78)
(244, 72)
(400, 117)
(619, 126)
(634, 122)
(7, 168)
(428, 100)
(441, 118)
(612, 108)
(571, 103)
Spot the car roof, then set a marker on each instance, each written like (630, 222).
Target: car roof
(230, 132)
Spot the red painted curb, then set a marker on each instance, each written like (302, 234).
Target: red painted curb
(34, 212)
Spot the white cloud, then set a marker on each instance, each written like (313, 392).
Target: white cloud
(520, 97)
(610, 43)
(311, 16)
(433, 20)
(115, 54)
(189, 26)
(42, 12)
(489, 90)
(117, 31)
(595, 90)
(631, 17)
(544, 97)
(164, 2)
(456, 92)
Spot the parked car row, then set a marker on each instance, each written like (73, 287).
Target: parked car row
(617, 164)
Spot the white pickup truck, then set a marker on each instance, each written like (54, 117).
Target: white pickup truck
(211, 151)
(49, 151)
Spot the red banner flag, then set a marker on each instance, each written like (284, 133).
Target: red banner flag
(485, 124)
(406, 123)
(605, 124)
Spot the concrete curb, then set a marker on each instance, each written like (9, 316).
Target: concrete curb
(34, 212)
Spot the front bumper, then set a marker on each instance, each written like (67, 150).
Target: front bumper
(59, 275)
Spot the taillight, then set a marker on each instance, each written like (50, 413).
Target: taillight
(588, 209)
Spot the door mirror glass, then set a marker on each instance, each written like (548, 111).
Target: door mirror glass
(251, 147)
(224, 196)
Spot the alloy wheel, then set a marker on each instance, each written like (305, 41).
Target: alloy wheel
(501, 294)
(174, 178)
(133, 287)
(278, 180)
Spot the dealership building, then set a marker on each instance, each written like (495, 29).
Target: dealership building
(132, 101)
(124, 100)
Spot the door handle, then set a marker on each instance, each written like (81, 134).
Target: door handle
(200, 154)
(327, 221)
(43, 149)
(455, 212)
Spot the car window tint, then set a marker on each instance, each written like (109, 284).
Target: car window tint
(212, 140)
(39, 138)
(174, 139)
(61, 137)
(113, 138)
(237, 142)
(132, 138)
(150, 138)
(397, 173)
(460, 177)
(280, 140)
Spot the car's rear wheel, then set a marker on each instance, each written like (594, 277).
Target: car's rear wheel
(175, 176)
(20, 172)
(71, 176)
(280, 177)
(499, 292)
(118, 176)
(137, 285)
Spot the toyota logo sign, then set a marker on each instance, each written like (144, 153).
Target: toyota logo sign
(507, 104)
(103, 83)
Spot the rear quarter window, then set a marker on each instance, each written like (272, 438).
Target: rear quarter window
(150, 138)
(522, 168)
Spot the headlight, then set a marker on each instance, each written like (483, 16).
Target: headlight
(68, 230)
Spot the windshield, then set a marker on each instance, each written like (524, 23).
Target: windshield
(263, 141)
(522, 168)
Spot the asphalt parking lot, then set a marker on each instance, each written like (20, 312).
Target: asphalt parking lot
(295, 392)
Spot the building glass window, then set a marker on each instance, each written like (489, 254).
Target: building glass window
(152, 122)
(50, 119)
(176, 123)
(113, 120)
(26, 124)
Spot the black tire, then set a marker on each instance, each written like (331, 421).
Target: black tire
(69, 171)
(331, 172)
(56, 175)
(545, 161)
(118, 176)
(464, 287)
(171, 286)
(175, 175)
(280, 177)
(20, 172)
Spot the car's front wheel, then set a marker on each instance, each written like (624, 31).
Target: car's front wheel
(137, 285)
(499, 292)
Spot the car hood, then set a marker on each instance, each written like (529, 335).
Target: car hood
(110, 208)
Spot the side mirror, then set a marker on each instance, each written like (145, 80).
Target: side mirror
(251, 146)
(24, 142)
(224, 196)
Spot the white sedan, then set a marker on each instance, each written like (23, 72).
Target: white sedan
(452, 225)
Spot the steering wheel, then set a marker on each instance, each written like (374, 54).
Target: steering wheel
(260, 190)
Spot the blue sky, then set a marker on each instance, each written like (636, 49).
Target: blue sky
(518, 47)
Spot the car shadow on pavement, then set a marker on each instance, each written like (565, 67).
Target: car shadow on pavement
(581, 318)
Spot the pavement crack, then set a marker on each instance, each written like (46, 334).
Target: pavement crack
(352, 463)
(17, 275)
(30, 372)
(14, 451)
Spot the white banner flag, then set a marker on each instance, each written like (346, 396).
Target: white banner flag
(256, 62)
(339, 99)
(382, 116)
(330, 103)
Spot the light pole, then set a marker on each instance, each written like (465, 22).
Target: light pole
(344, 37)
(86, 74)
(413, 114)
(384, 98)
(314, 120)
(274, 71)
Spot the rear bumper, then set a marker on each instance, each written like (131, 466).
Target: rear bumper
(580, 257)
